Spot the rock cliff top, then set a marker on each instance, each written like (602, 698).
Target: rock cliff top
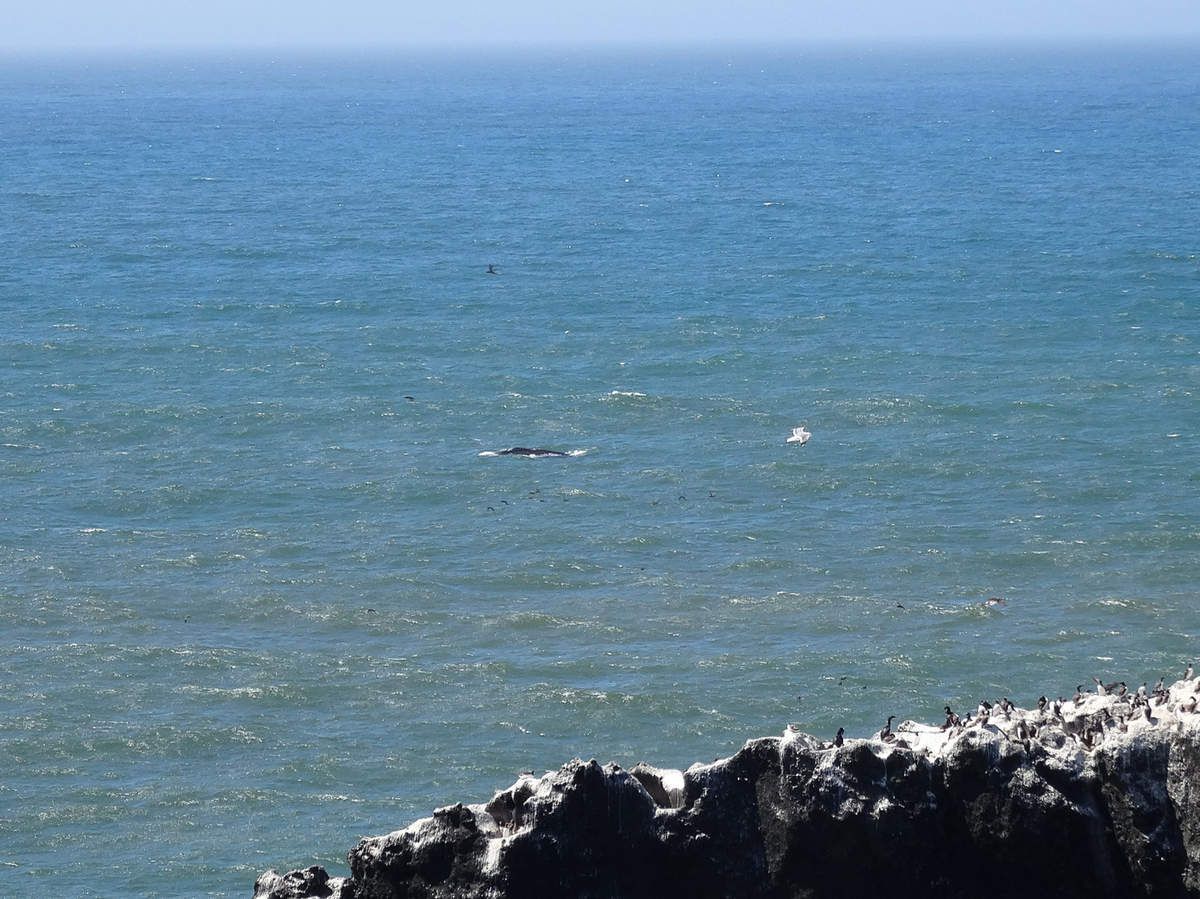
(1094, 796)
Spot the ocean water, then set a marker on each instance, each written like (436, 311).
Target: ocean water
(261, 595)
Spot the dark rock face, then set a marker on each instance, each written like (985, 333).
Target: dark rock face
(967, 812)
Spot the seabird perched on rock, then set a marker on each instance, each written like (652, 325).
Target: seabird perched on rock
(1079, 695)
(840, 737)
(886, 734)
(1104, 689)
(1056, 708)
(952, 720)
(1189, 706)
(1187, 674)
(1042, 703)
(1005, 706)
(1086, 738)
(1141, 691)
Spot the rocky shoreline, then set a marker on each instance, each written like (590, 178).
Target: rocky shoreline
(1094, 796)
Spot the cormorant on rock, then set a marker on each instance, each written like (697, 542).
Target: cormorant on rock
(1187, 674)
(1042, 703)
(1104, 689)
(886, 734)
(1086, 738)
(840, 737)
(1079, 695)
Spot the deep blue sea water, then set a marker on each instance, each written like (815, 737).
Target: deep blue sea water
(259, 593)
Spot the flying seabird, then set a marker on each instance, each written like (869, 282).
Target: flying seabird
(492, 270)
(799, 435)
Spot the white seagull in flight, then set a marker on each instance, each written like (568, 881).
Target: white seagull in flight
(799, 435)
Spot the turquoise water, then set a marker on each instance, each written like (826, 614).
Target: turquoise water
(260, 594)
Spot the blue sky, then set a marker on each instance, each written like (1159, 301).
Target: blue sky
(168, 24)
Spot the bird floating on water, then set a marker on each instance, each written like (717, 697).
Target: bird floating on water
(799, 435)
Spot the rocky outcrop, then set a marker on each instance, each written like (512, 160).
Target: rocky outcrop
(1098, 797)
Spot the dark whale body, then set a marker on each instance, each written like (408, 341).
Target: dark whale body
(526, 451)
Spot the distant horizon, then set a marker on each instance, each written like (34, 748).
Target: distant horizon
(71, 26)
(614, 47)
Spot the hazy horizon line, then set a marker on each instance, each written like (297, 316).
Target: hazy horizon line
(811, 44)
